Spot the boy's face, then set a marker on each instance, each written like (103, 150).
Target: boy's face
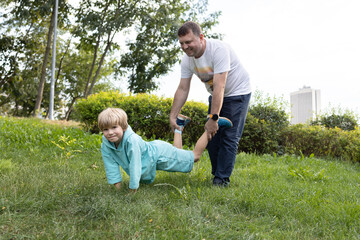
(114, 133)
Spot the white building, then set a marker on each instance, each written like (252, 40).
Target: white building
(305, 105)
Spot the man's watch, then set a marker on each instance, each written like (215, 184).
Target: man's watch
(214, 117)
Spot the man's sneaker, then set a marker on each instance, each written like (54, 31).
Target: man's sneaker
(225, 122)
(182, 120)
(219, 182)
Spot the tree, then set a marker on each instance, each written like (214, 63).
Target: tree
(22, 52)
(142, 34)
(35, 14)
(155, 49)
(44, 65)
(74, 77)
(98, 23)
(64, 10)
(21, 55)
(153, 22)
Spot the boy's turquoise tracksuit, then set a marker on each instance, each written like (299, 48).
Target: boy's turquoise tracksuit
(141, 159)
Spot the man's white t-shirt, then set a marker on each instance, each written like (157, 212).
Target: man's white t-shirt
(218, 58)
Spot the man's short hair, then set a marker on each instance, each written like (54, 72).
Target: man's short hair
(112, 116)
(187, 26)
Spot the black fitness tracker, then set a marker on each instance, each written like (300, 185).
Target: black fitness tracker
(214, 117)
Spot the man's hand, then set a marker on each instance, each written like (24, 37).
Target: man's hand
(173, 124)
(211, 128)
(180, 97)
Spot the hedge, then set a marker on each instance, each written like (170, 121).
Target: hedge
(148, 115)
(321, 141)
(265, 130)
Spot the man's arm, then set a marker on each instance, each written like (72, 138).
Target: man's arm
(180, 98)
(219, 82)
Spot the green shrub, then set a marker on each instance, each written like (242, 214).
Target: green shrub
(148, 115)
(265, 120)
(258, 136)
(346, 121)
(321, 141)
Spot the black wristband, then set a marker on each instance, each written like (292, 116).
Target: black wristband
(214, 117)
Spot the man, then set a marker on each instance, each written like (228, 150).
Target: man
(218, 67)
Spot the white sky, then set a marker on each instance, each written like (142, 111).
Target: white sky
(286, 44)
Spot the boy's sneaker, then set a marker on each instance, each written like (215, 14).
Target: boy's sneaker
(182, 120)
(225, 122)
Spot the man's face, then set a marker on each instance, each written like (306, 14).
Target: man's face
(192, 45)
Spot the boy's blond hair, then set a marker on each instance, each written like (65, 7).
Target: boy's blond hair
(112, 116)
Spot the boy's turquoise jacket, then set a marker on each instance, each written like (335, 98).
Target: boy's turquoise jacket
(136, 156)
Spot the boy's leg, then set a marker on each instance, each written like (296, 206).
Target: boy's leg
(177, 139)
(203, 140)
(200, 146)
(172, 159)
(182, 121)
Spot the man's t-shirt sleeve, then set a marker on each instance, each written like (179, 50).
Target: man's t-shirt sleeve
(221, 59)
(186, 71)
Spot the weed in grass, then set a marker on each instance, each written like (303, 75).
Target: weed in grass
(6, 165)
(183, 193)
(301, 169)
(307, 173)
(66, 145)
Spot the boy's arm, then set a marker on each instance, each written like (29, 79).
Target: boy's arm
(112, 169)
(134, 156)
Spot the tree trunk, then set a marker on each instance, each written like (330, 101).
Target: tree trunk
(92, 67)
(43, 69)
(70, 109)
(61, 61)
(108, 45)
(59, 70)
(86, 91)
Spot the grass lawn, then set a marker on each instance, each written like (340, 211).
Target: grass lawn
(53, 186)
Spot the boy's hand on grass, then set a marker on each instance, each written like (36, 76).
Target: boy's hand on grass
(117, 185)
(131, 192)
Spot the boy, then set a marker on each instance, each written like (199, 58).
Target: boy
(140, 159)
